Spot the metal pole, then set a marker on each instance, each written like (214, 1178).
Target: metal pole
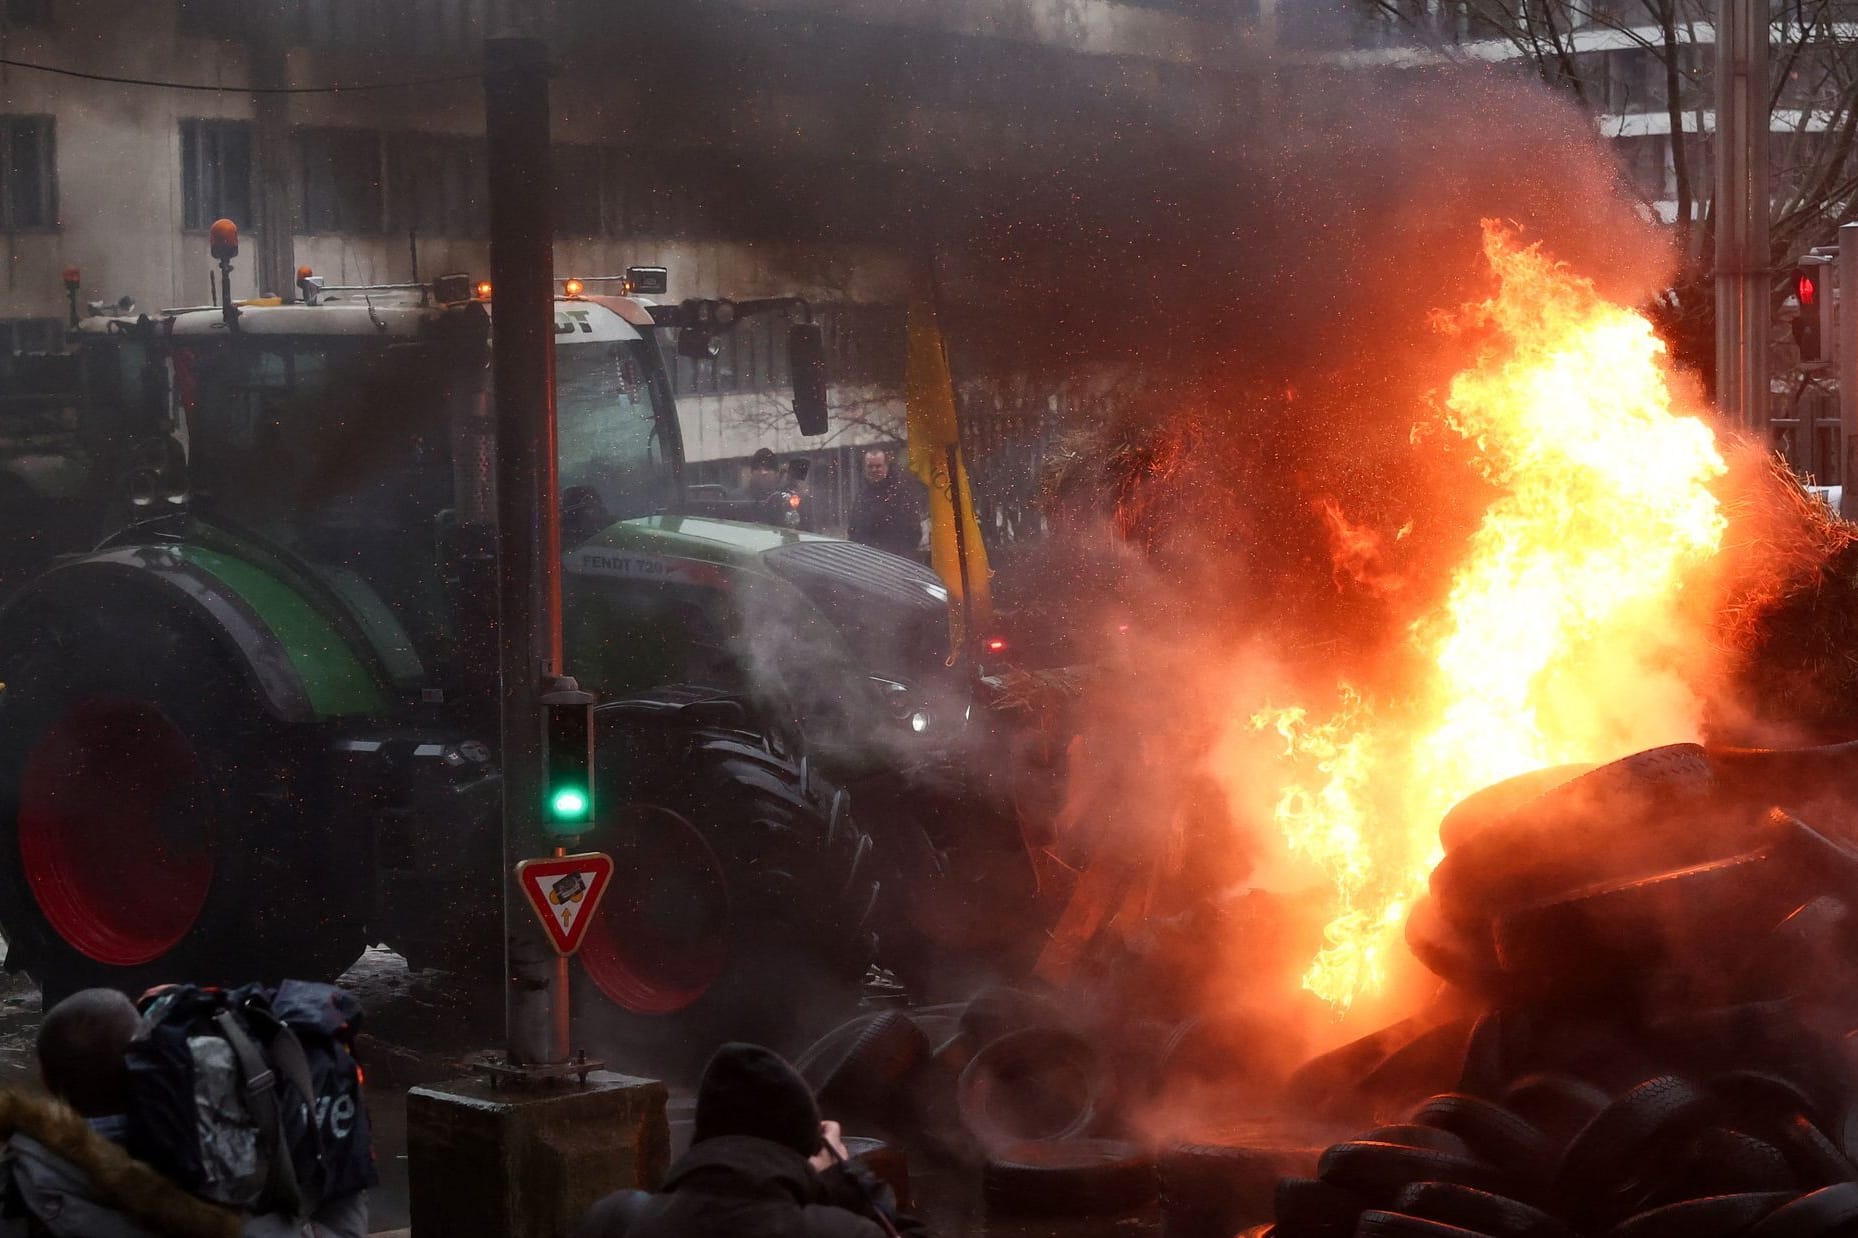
(961, 548)
(516, 131)
(276, 266)
(561, 1011)
(1845, 352)
(1741, 210)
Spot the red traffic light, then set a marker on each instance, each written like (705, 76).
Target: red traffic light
(1806, 288)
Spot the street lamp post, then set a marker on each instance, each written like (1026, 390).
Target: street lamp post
(516, 130)
(1742, 258)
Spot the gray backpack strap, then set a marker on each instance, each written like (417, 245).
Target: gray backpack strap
(287, 1053)
(259, 1085)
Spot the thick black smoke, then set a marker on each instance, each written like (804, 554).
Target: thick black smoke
(1245, 254)
(1244, 260)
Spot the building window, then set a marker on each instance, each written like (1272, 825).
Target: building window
(216, 172)
(1647, 161)
(1635, 80)
(587, 197)
(613, 191)
(18, 335)
(17, 13)
(371, 25)
(436, 184)
(340, 189)
(24, 344)
(28, 177)
(865, 344)
(215, 19)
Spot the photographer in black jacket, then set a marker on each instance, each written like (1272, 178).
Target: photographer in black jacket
(761, 1162)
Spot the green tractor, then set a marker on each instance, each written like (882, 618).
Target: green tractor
(250, 729)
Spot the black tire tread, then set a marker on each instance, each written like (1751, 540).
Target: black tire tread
(1497, 1215)
(1827, 1211)
(1089, 1177)
(1492, 1132)
(806, 882)
(1608, 1143)
(799, 891)
(1716, 1216)
(1383, 1168)
(1416, 1135)
(1376, 1223)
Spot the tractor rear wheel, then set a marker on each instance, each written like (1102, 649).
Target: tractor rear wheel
(154, 823)
(740, 903)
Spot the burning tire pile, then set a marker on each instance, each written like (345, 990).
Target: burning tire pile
(1645, 1034)
(1664, 1052)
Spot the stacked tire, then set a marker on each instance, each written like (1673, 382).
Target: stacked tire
(1749, 1152)
(1664, 1053)
(995, 1085)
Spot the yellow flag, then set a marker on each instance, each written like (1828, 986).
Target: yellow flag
(931, 405)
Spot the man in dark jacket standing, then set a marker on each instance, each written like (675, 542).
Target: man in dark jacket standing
(885, 514)
(760, 1163)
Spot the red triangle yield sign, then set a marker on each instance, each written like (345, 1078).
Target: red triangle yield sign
(564, 891)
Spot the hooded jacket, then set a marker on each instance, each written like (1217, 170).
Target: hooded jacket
(59, 1177)
(732, 1186)
(746, 1173)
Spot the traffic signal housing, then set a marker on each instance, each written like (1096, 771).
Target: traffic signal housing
(567, 760)
(1812, 288)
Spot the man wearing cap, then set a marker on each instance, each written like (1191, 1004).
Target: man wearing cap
(760, 1162)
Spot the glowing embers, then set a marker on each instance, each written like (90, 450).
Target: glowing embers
(1560, 637)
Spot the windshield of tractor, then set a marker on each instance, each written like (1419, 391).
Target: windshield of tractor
(613, 410)
(304, 438)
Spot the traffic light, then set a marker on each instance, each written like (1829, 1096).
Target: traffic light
(1813, 290)
(567, 760)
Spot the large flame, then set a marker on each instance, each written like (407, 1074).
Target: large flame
(1555, 641)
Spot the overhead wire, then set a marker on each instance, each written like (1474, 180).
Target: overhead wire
(332, 89)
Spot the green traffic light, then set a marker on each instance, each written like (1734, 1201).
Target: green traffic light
(568, 804)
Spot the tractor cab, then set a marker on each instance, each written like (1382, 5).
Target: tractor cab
(347, 439)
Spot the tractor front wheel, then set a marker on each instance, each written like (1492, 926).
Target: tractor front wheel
(741, 901)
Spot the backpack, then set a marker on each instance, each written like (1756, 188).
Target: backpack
(251, 1097)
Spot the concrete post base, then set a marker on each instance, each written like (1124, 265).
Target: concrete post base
(512, 1162)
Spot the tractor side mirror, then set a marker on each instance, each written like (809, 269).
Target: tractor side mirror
(806, 356)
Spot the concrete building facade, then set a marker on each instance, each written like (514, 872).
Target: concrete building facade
(346, 136)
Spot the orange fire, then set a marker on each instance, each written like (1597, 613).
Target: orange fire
(1558, 638)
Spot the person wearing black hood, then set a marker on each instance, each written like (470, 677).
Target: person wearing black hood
(761, 1162)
